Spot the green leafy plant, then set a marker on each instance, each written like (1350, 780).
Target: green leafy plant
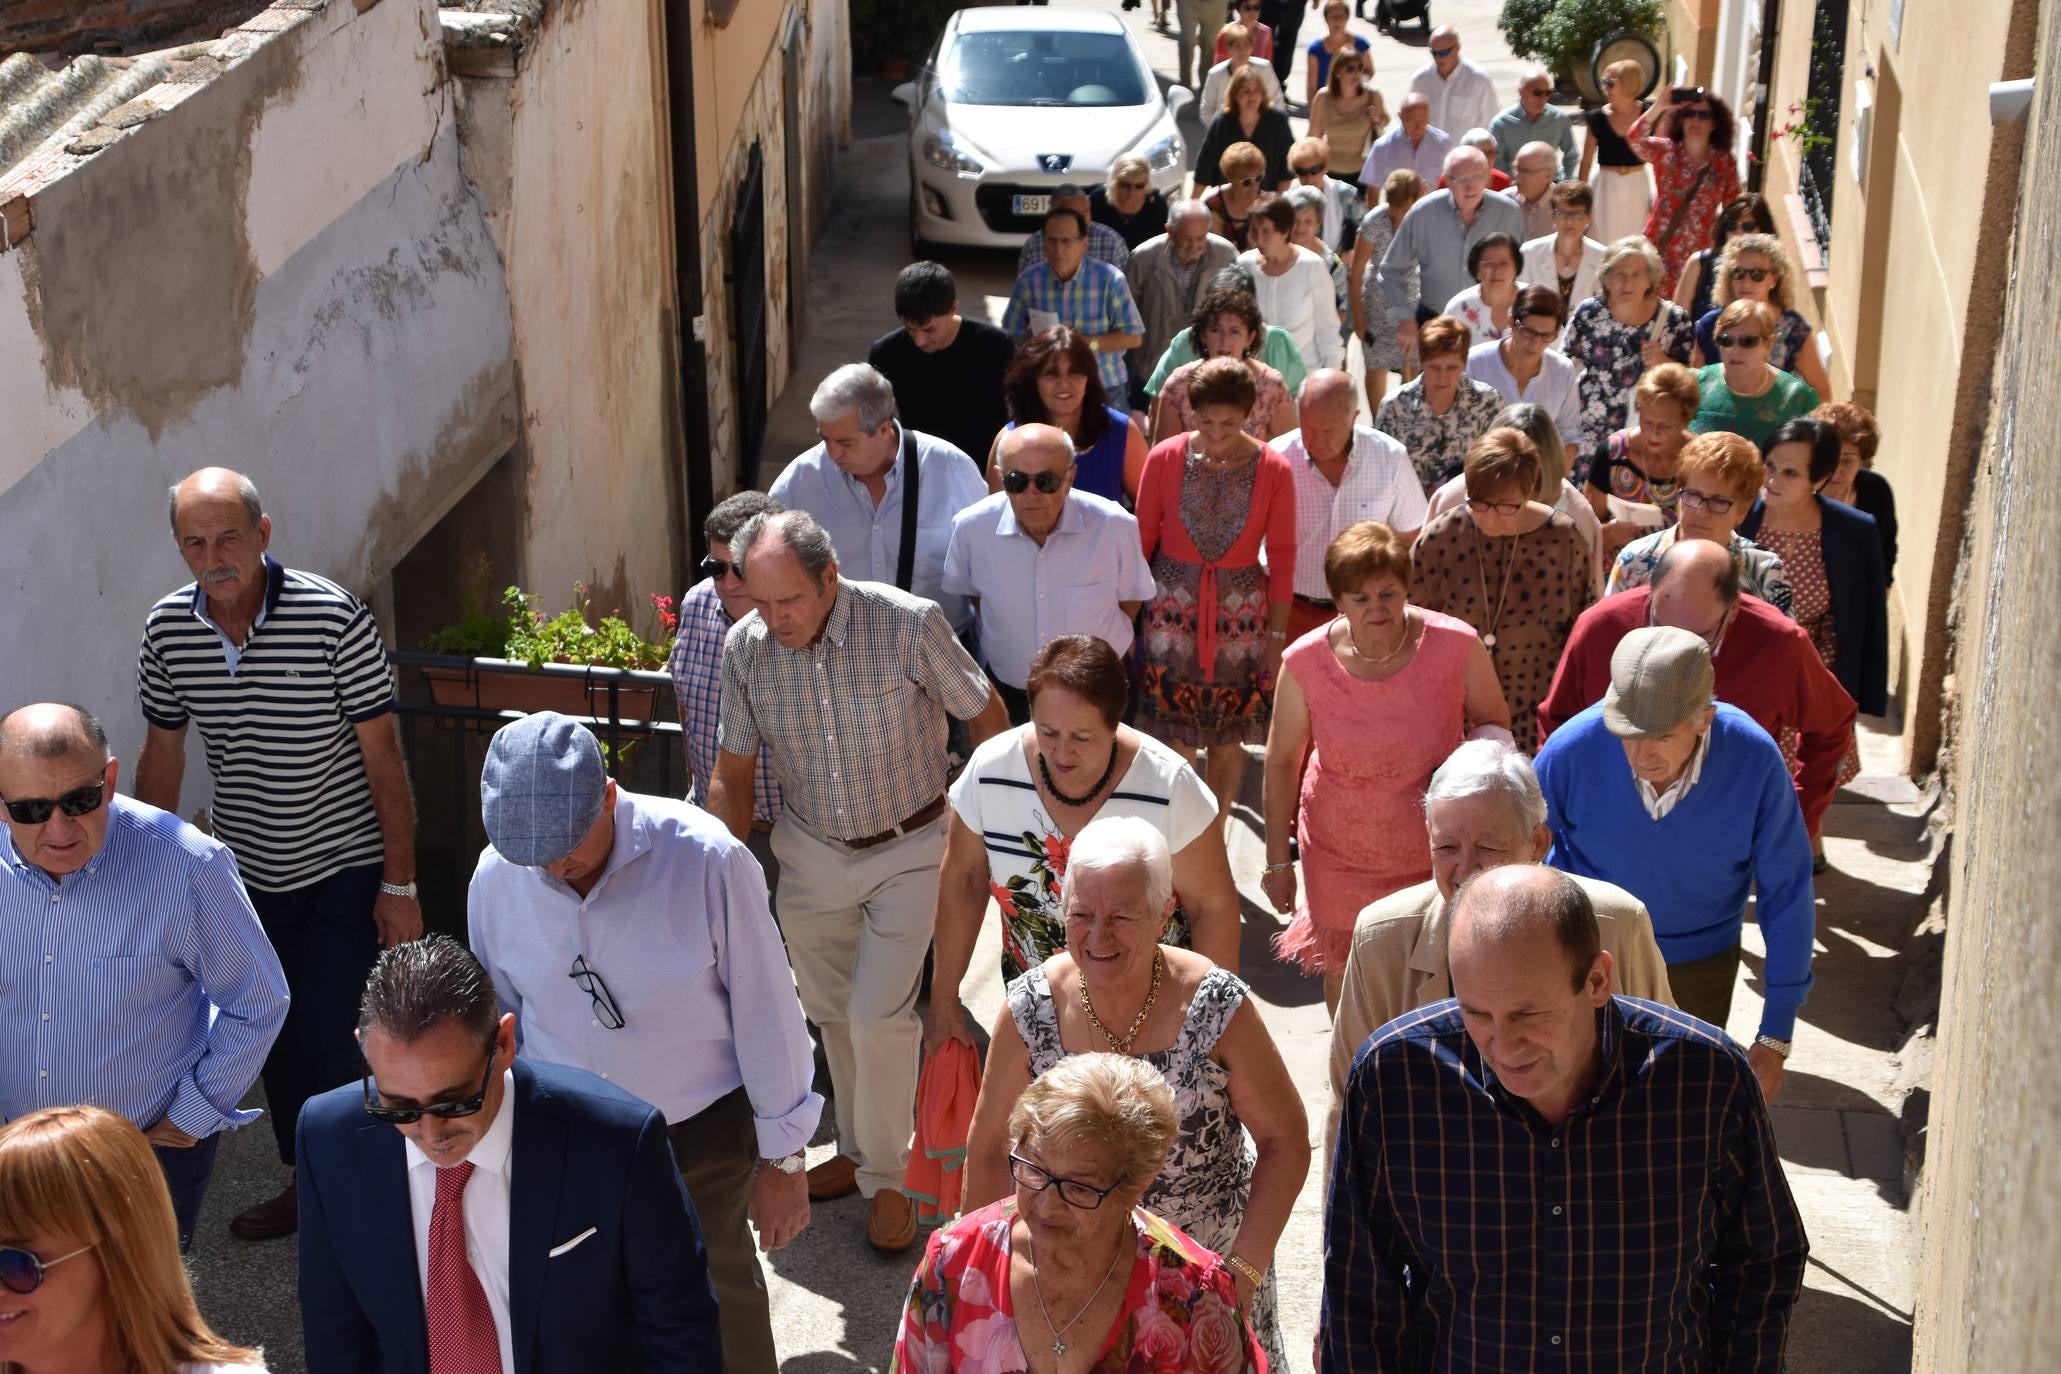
(1803, 128)
(478, 632)
(1563, 33)
(570, 637)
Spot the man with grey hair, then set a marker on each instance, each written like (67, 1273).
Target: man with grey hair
(1483, 810)
(1535, 119)
(886, 494)
(283, 674)
(1414, 144)
(1169, 275)
(1462, 95)
(1435, 236)
(850, 683)
(1532, 172)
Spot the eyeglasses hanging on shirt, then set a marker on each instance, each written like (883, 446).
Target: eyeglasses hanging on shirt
(605, 1009)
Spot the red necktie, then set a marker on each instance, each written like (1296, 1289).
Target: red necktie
(461, 1328)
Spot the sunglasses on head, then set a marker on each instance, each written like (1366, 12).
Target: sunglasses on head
(402, 1116)
(22, 1271)
(1752, 273)
(1015, 482)
(80, 801)
(718, 569)
(1738, 341)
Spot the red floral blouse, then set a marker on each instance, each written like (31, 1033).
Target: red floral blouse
(1673, 179)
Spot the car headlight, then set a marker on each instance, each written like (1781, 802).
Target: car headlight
(939, 152)
(1164, 155)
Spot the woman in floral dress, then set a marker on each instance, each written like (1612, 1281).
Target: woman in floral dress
(1694, 175)
(1633, 485)
(1615, 337)
(1369, 305)
(1214, 630)
(1443, 411)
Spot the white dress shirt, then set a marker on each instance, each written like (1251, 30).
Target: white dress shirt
(1030, 594)
(868, 538)
(678, 929)
(1556, 388)
(1304, 301)
(1379, 484)
(1460, 102)
(486, 1212)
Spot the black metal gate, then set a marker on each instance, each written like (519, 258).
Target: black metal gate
(1827, 82)
(748, 315)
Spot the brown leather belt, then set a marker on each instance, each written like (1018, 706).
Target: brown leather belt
(920, 818)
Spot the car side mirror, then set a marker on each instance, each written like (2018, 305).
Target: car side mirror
(904, 94)
(1178, 98)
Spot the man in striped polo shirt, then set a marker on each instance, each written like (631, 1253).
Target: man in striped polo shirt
(285, 676)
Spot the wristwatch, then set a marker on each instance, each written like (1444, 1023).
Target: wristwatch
(1780, 1047)
(1094, 344)
(789, 1164)
(398, 890)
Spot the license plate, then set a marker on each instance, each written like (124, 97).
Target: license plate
(1029, 205)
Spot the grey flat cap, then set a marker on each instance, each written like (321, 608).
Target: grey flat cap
(1659, 677)
(542, 788)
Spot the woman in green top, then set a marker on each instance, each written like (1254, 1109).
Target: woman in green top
(1744, 394)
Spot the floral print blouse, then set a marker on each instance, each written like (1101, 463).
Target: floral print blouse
(1612, 359)
(1179, 1315)
(1677, 182)
(1439, 443)
(1760, 569)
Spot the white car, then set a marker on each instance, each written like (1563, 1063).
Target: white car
(1016, 101)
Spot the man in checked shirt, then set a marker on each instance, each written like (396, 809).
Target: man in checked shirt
(1539, 1176)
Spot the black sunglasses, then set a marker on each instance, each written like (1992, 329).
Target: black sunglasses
(716, 568)
(1014, 482)
(1752, 273)
(1441, 52)
(80, 801)
(605, 1009)
(1741, 340)
(21, 1271)
(1315, 169)
(402, 1116)
(1072, 1191)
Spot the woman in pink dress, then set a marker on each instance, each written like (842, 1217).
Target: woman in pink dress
(1384, 692)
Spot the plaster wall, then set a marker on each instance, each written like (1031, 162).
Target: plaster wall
(191, 294)
(1692, 36)
(727, 66)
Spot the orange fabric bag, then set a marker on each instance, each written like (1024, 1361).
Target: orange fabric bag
(936, 1176)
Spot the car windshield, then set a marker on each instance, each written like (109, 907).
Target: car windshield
(1041, 69)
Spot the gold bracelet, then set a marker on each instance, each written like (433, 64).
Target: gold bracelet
(1246, 1267)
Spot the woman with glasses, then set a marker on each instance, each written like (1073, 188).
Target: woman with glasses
(1756, 267)
(1720, 477)
(1633, 485)
(1524, 365)
(89, 1265)
(1622, 185)
(1567, 259)
(1536, 424)
(1067, 1264)
(1746, 213)
(1512, 567)
(1053, 380)
(1616, 336)
(1368, 706)
(1243, 168)
(1227, 324)
(1247, 118)
(1213, 632)
(1348, 114)
(1485, 307)
(1438, 415)
(1117, 988)
(1129, 203)
(1742, 392)
(1694, 173)
(1326, 48)
(1378, 343)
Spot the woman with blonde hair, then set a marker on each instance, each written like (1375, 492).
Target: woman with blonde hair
(90, 1260)
(1128, 202)
(1348, 114)
(1623, 188)
(1756, 267)
(1633, 484)
(1743, 392)
(1616, 335)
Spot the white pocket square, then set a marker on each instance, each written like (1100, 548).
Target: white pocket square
(558, 1250)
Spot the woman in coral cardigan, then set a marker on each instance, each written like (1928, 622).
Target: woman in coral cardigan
(1217, 622)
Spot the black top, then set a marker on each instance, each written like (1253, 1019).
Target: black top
(1149, 222)
(1611, 148)
(954, 393)
(1272, 136)
(1872, 495)
(1706, 279)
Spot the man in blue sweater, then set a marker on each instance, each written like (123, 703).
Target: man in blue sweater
(1687, 804)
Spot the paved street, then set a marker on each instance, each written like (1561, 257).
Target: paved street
(836, 1303)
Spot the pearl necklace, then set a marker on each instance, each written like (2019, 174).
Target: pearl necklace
(1400, 640)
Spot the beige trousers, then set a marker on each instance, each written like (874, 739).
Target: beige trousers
(857, 924)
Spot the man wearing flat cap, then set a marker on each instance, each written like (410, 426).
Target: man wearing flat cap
(1687, 804)
(631, 936)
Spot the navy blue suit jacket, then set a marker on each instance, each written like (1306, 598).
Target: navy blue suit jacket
(1860, 598)
(634, 1296)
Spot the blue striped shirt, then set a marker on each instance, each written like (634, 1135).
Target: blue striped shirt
(141, 983)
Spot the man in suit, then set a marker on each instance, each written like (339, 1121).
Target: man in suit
(423, 1250)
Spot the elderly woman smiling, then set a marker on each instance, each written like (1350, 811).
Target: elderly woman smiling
(1116, 987)
(1068, 1273)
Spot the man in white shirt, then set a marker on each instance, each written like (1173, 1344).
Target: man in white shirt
(679, 989)
(1461, 94)
(1344, 473)
(1043, 560)
(854, 481)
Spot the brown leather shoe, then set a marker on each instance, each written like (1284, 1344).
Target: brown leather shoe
(836, 1176)
(890, 1221)
(269, 1220)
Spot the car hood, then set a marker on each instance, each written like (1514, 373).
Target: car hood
(1016, 135)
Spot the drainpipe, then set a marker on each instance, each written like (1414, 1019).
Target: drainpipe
(1770, 24)
(689, 319)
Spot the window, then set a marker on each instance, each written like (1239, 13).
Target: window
(1827, 81)
(1042, 69)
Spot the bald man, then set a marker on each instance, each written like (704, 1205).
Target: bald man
(1532, 171)
(1043, 559)
(285, 677)
(137, 976)
(1461, 94)
(1413, 143)
(1608, 1135)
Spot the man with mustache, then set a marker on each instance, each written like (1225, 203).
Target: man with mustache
(284, 675)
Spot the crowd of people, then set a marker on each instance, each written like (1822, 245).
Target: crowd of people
(1554, 657)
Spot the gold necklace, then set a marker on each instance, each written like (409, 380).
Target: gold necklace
(1123, 1046)
(1400, 641)
(1495, 619)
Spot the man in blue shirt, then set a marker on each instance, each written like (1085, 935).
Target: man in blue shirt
(133, 972)
(1688, 805)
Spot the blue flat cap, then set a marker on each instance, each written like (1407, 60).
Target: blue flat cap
(542, 788)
